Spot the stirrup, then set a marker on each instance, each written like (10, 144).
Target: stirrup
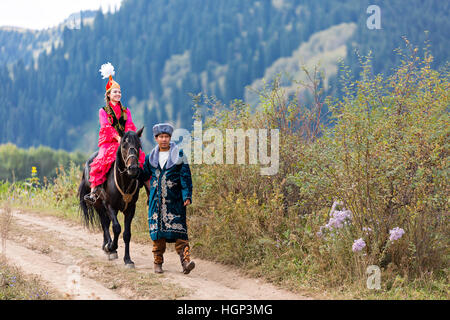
(91, 198)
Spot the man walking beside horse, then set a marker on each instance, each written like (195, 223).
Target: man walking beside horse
(170, 193)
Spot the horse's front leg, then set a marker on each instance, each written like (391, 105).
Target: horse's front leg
(129, 214)
(112, 247)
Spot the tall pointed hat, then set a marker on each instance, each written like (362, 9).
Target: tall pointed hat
(107, 71)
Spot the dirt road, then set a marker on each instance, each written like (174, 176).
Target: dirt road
(69, 258)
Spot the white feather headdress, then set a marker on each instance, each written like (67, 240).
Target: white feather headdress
(107, 70)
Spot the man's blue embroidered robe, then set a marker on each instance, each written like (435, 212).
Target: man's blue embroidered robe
(170, 186)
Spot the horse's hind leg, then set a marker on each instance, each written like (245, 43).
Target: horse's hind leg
(112, 246)
(107, 241)
(104, 219)
(129, 214)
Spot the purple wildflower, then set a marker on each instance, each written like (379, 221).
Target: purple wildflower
(338, 219)
(320, 232)
(358, 245)
(396, 233)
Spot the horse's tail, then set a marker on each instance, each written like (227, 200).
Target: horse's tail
(87, 211)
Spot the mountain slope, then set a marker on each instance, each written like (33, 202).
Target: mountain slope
(163, 50)
(325, 49)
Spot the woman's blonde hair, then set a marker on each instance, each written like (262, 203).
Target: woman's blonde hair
(107, 98)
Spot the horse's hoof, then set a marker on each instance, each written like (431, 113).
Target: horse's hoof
(129, 265)
(107, 248)
(112, 256)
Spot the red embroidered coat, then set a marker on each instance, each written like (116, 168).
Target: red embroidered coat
(108, 145)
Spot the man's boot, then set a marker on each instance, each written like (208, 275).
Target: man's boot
(159, 247)
(185, 259)
(158, 268)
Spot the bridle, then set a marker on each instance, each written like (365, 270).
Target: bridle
(127, 197)
(134, 155)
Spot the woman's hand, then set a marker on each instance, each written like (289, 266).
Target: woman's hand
(118, 139)
(187, 202)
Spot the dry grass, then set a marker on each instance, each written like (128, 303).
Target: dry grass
(15, 285)
(129, 283)
(6, 218)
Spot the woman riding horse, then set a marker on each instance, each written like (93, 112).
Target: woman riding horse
(115, 121)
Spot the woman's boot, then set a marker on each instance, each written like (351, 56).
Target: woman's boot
(92, 197)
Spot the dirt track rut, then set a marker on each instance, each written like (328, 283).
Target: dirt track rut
(60, 251)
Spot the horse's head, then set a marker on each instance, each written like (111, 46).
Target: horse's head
(130, 144)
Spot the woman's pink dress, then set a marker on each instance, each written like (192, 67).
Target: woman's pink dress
(108, 146)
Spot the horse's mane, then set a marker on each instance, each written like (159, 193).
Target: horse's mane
(133, 138)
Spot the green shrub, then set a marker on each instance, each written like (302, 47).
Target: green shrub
(384, 158)
(15, 162)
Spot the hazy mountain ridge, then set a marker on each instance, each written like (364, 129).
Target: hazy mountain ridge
(24, 44)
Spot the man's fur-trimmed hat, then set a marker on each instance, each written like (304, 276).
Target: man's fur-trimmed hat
(162, 128)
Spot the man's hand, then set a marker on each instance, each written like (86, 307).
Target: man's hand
(187, 202)
(147, 190)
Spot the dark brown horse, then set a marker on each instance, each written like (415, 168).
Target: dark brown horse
(119, 192)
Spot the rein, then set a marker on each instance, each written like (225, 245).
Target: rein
(126, 197)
